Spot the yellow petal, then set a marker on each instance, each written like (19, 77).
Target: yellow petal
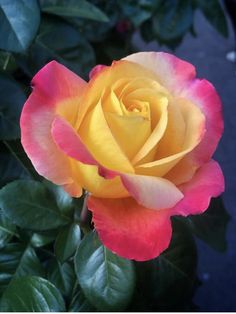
(173, 139)
(183, 171)
(97, 185)
(154, 97)
(106, 78)
(158, 131)
(97, 136)
(111, 103)
(130, 132)
(194, 130)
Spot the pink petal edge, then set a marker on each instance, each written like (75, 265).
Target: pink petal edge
(51, 85)
(129, 229)
(207, 182)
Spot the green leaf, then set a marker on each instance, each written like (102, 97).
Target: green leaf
(67, 242)
(214, 13)
(173, 19)
(78, 302)
(106, 279)
(137, 11)
(7, 229)
(17, 260)
(63, 199)
(74, 8)
(10, 169)
(11, 103)
(147, 32)
(104, 31)
(211, 226)
(16, 149)
(36, 210)
(16, 34)
(73, 51)
(7, 62)
(167, 282)
(39, 240)
(62, 276)
(32, 294)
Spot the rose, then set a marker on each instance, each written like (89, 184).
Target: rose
(139, 137)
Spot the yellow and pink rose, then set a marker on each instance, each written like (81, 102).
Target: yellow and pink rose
(139, 137)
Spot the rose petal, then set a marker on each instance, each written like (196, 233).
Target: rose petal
(95, 132)
(193, 132)
(69, 142)
(129, 229)
(157, 133)
(128, 129)
(152, 192)
(100, 184)
(172, 72)
(55, 91)
(106, 78)
(203, 94)
(96, 70)
(207, 182)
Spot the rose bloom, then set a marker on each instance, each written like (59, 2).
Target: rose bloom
(139, 137)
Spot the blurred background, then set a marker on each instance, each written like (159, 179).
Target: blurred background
(80, 34)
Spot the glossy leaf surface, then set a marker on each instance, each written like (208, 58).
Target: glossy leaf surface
(16, 34)
(36, 210)
(106, 279)
(32, 294)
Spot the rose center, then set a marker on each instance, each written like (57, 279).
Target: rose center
(136, 108)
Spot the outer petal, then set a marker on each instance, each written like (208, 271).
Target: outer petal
(207, 182)
(130, 230)
(151, 192)
(69, 141)
(203, 94)
(96, 70)
(171, 71)
(55, 90)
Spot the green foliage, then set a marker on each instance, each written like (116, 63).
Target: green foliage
(67, 242)
(62, 276)
(79, 303)
(16, 34)
(7, 229)
(32, 294)
(10, 169)
(74, 8)
(212, 225)
(173, 274)
(106, 280)
(173, 19)
(37, 210)
(12, 100)
(17, 260)
(214, 13)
